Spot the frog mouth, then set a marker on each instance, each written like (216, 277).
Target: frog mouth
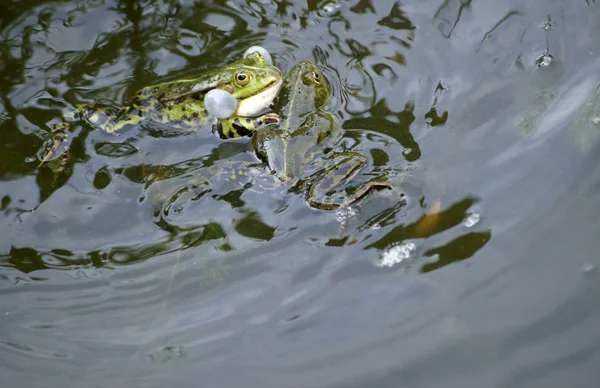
(253, 105)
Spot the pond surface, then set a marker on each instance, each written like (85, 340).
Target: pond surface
(484, 274)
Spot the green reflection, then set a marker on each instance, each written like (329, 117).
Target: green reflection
(28, 259)
(427, 225)
(363, 6)
(397, 19)
(461, 248)
(394, 124)
(252, 226)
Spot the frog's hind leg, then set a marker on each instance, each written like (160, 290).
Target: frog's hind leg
(104, 119)
(217, 179)
(96, 117)
(334, 187)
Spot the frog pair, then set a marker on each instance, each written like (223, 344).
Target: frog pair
(297, 153)
(294, 150)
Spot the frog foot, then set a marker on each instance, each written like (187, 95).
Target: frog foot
(245, 126)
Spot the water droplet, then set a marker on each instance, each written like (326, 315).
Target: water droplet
(376, 227)
(544, 60)
(396, 254)
(596, 119)
(472, 219)
(547, 26)
(329, 8)
(406, 151)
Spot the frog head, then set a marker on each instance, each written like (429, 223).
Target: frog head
(305, 89)
(253, 82)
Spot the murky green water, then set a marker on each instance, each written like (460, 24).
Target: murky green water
(484, 274)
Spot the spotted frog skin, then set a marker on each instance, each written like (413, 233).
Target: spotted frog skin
(297, 151)
(180, 103)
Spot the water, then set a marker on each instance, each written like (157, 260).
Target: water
(484, 274)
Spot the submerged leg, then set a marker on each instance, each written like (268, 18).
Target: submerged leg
(92, 116)
(59, 135)
(103, 119)
(245, 126)
(334, 187)
(219, 179)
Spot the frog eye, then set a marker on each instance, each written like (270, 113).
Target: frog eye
(242, 78)
(316, 77)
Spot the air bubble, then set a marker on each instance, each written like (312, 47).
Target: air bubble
(544, 60)
(329, 8)
(396, 254)
(344, 213)
(262, 51)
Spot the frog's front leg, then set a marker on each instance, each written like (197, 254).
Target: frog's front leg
(244, 126)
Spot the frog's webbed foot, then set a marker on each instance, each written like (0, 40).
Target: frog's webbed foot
(245, 126)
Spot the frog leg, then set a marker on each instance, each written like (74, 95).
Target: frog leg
(330, 190)
(244, 126)
(101, 118)
(217, 179)
(92, 116)
(60, 135)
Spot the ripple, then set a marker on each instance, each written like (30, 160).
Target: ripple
(33, 351)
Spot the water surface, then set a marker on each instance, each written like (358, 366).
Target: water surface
(483, 274)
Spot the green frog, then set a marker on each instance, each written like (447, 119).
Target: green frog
(180, 103)
(296, 152)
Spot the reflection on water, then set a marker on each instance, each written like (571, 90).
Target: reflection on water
(122, 263)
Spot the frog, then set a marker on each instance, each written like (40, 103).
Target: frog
(251, 80)
(298, 152)
(294, 153)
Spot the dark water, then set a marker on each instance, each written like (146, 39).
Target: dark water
(484, 275)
